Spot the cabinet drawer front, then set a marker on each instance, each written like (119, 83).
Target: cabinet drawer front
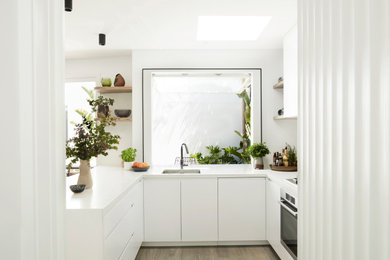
(128, 202)
(132, 248)
(116, 242)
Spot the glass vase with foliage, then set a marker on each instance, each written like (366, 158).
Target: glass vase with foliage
(257, 151)
(91, 139)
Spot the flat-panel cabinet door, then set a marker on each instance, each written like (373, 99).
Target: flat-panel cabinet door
(199, 209)
(273, 220)
(241, 209)
(273, 214)
(162, 210)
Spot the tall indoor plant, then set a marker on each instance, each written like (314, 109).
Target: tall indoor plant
(91, 138)
(257, 151)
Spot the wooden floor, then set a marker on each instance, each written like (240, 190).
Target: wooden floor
(207, 253)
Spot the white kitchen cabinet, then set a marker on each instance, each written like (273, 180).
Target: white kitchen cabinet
(273, 220)
(111, 232)
(273, 214)
(199, 209)
(241, 205)
(162, 213)
(290, 68)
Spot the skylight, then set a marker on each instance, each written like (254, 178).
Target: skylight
(231, 28)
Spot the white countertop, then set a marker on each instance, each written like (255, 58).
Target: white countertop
(110, 183)
(281, 179)
(220, 170)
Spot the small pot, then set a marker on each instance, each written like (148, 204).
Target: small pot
(106, 82)
(103, 111)
(257, 163)
(127, 165)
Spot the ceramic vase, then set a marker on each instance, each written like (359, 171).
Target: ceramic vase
(119, 81)
(85, 176)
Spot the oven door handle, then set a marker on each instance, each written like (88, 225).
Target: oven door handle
(288, 209)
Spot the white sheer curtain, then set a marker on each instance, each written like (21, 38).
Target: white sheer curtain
(344, 126)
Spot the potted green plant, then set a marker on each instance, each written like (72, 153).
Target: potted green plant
(128, 157)
(91, 140)
(101, 105)
(257, 151)
(292, 155)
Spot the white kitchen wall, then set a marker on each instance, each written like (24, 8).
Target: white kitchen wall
(344, 126)
(275, 133)
(92, 69)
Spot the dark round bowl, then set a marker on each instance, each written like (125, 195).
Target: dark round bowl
(77, 188)
(122, 112)
(140, 169)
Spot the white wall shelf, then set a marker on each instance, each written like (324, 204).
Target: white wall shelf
(284, 117)
(279, 85)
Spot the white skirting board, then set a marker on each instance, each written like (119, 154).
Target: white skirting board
(204, 243)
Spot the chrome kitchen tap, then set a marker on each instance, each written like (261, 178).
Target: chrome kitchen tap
(181, 155)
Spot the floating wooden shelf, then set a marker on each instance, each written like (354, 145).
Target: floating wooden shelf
(121, 118)
(284, 117)
(106, 90)
(279, 85)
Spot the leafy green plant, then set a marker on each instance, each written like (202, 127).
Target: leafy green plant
(217, 155)
(258, 150)
(291, 154)
(91, 138)
(129, 154)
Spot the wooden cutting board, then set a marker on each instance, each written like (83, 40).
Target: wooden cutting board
(283, 168)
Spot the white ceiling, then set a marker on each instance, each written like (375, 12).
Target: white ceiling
(167, 24)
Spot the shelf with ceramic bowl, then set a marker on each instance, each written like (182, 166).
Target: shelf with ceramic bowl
(121, 118)
(279, 85)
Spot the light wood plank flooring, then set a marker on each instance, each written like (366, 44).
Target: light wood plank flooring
(207, 253)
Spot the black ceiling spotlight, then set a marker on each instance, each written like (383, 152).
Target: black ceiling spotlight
(102, 39)
(68, 5)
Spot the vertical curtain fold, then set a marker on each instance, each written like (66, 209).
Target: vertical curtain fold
(344, 129)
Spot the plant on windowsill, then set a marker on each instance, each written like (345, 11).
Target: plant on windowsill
(128, 157)
(257, 151)
(91, 139)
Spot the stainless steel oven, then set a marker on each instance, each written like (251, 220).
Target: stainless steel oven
(289, 223)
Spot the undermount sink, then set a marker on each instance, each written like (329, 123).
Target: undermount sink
(181, 171)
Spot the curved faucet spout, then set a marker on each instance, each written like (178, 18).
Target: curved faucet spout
(181, 155)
